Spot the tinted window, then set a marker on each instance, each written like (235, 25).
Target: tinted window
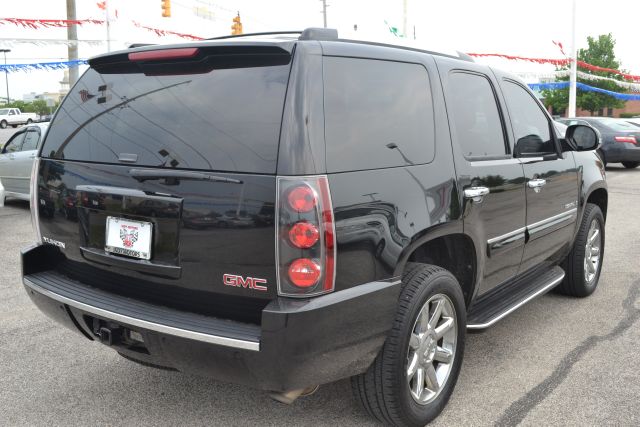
(31, 140)
(377, 114)
(530, 124)
(15, 144)
(475, 116)
(570, 122)
(225, 119)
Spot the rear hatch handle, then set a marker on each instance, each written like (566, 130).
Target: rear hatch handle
(153, 174)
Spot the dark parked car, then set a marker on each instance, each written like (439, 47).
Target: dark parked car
(379, 202)
(620, 139)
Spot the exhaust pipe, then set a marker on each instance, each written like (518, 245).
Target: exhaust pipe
(288, 397)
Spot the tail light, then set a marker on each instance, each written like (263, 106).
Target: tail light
(33, 200)
(164, 54)
(630, 139)
(305, 237)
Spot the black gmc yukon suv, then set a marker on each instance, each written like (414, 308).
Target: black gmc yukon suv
(284, 211)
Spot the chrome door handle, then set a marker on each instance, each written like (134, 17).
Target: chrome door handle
(536, 184)
(476, 193)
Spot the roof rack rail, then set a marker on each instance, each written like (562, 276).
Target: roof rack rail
(311, 33)
(268, 33)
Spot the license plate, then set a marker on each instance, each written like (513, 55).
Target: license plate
(127, 237)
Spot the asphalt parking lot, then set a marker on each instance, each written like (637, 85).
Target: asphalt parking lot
(556, 361)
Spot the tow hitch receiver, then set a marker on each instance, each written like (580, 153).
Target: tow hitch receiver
(108, 335)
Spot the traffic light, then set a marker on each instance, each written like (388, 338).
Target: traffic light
(236, 28)
(166, 8)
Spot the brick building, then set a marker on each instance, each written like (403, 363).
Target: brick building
(630, 107)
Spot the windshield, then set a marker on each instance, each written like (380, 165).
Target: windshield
(4, 112)
(226, 119)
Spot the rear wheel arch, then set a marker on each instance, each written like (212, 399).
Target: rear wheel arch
(454, 252)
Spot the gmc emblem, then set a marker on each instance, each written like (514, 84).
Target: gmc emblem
(239, 281)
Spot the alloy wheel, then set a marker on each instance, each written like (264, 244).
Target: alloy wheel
(592, 251)
(432, 349)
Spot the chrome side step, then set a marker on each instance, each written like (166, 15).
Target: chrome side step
(498, 304)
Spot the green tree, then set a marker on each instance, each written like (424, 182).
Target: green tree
(23, 106)
(557, 99)
(600, 52)
(39, 107)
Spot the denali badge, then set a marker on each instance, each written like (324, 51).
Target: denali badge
(53, 242)
(249, 282)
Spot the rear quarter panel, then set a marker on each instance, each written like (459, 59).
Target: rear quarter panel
(382, 215)
(591, 177)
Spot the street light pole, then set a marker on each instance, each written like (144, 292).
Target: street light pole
(571, 111)
(6, 71)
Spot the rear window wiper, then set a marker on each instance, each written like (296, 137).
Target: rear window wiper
(151, 174)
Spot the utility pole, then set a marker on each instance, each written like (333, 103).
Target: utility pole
(404, 18)
(72, 36)
(106, 13)
(571, 111)
(6, 71)
(324, 12)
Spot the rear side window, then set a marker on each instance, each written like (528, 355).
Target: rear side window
(378, 114)
(475, 115)
(225, 119)
(530, 124)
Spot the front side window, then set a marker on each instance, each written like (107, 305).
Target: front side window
(378, 114)
(31, 140)
(15, 144)
(476, 119)
(530, 124)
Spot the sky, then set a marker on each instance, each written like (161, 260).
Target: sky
(515, 27)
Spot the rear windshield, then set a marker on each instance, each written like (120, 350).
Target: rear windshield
(226, 119)
(619, 125)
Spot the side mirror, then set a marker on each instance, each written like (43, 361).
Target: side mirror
(583, 138)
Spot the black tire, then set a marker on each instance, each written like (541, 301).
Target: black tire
(383, 390)
(14, 126)
(3, 124)
(29, 121)
(630, 165)
(575, 283)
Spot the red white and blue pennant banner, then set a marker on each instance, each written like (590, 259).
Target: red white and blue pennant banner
(584, 87)
(58, 65)
(36, 24)
(558, 63)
